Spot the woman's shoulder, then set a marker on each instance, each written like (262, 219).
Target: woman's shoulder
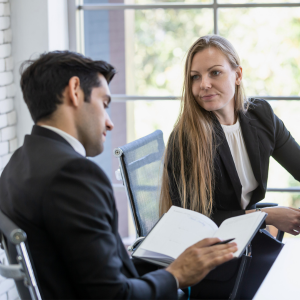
(260, 114)
(259, 107)
(258, 103)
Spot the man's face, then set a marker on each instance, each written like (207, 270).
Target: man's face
(94, 121)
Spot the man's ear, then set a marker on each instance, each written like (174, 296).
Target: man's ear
(75, 92)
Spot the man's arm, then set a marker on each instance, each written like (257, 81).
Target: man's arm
(80, 215)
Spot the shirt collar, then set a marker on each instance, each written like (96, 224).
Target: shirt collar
(77, 146)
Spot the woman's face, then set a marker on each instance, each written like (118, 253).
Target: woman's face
(214, 80)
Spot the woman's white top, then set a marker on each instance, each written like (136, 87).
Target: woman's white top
(241, 160)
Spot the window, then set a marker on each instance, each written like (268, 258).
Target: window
(147, 41)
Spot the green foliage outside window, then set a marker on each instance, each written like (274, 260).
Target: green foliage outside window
(268, 42)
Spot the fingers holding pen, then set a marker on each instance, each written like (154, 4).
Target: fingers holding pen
(216, 255)
(208, 242)
(208, 245)
(219, 255)
(212, 256)
(198, 260)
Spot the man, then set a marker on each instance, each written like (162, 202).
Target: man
(65, 203)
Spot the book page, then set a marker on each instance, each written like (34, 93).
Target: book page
(150, 254)
(241, 228)
(177, 230)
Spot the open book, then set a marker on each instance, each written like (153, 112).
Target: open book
(180, 228)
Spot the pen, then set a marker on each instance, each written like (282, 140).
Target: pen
(224, 242)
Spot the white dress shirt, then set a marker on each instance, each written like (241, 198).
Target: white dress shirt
(241, 160)
(70, 139)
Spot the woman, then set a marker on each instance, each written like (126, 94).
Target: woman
(218, 153)
(217, 156)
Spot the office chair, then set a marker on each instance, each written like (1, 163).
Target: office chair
(280, 233)
(13, 241)
(141, 166)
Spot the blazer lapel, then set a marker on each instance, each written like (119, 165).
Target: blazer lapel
(225, 154)
(252, 145)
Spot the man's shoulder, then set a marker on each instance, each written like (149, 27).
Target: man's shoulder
(85, 168)
(40, 160)
(43, 155)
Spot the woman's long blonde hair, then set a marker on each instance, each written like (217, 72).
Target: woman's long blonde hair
(191, 147)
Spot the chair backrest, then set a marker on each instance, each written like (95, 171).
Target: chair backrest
(13, 241)
(141, 166)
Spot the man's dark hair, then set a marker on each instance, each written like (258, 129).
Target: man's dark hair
(43, 80)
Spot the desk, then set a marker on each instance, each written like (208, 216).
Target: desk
(283, 279)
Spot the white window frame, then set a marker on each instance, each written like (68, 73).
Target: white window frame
(76, 38)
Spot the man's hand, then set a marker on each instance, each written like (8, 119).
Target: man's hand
(198, 260)
(284, 218)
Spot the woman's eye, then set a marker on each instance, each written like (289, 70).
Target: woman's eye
(195, 77)
(215, 73)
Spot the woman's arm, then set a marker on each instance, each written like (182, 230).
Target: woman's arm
(287, 150)
(287, 153)
(284, 218)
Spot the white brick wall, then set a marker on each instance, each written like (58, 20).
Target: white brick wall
(9, 63)
(6, 78)
(2, 64)
(8, 119)
(4, 23)
(3, 92)
(5, 49)
(6, 105)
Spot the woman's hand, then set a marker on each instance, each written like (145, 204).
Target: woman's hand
(284, 218)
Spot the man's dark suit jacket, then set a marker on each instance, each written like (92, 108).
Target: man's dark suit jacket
(65, 204)
(265, 135)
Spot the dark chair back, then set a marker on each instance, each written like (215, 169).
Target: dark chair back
(13, 241)
(141, 166)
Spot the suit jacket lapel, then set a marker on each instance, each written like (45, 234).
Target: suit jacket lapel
(252, 145)
(225, 154)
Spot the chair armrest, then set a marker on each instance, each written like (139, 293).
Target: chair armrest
(181, 295)
(280, 233)
(135, 244)
(279, 236)
(12, 271)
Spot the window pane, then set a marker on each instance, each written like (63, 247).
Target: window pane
(267, 40)
(288, 112)
(161, 40)
(151, 115)
(147, 47)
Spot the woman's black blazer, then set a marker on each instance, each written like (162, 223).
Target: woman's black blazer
(265, 135)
